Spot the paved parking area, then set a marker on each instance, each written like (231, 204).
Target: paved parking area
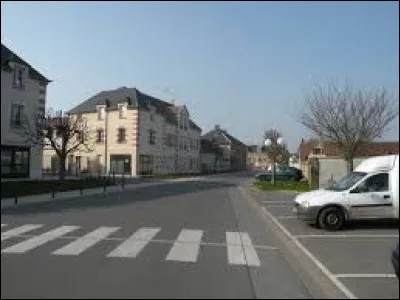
(358, 256)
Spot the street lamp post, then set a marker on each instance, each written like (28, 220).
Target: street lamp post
(105, 136)
(273, 146)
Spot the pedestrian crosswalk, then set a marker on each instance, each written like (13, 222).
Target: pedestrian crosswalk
(185, 248)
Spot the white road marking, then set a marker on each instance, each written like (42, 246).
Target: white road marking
(160, 241)
(39, 240)
(235, 249)
(366, 275)
(186, 247)
(249, 251)
(18, 231)
(83, 243)
(319, 264)
(301, 236)
(133, 245)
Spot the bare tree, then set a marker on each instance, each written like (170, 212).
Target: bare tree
(65, 134)
(348, 117)
(276, 153)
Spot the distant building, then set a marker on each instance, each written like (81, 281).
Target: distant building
(135, 134)
(257, 159)
(233, 151)
(23, 95)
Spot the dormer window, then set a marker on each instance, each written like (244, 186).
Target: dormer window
(318, 151)
(101, 112)
(122, 108)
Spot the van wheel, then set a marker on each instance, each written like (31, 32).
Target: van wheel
(331, 218)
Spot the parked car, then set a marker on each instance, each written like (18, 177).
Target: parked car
(395, 260)
(283, 173)
(371, 191)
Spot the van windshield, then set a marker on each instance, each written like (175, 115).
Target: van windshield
(346, 182)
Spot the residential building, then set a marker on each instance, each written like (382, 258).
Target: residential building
(23, 97)
(332, 165)
(257, 159)
(233, 151)
(135, 134)
(213, 158)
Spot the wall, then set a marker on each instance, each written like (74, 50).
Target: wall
(334, 168)
(29, 96)
(167, 159)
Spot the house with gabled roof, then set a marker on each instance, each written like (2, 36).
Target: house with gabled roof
(234, 151)
(23, 98)
(136, 134)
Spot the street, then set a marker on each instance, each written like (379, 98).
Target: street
(196, 239)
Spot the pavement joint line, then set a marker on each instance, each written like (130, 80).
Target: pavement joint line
(318, 263)
(278, 205)
(276, 202)
(362, 275)
(157, 241)
(288, 217)
(301, 236)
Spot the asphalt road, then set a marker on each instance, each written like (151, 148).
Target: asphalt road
(198, 239)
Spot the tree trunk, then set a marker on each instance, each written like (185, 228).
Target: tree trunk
(349, 164)
(62, 168)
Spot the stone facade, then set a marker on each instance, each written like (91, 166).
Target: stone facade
(23, 96)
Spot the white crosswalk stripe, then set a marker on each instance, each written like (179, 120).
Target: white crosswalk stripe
(186, 248)
(18, 231)
(249, 251)
(133, 245)
(240, 249)
(85, 242)
(39, 240)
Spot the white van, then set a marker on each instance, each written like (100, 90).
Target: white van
(371, 191)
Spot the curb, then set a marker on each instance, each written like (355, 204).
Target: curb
(25, 200)
(316, 278)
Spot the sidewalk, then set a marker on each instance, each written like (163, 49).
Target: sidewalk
(10, 202)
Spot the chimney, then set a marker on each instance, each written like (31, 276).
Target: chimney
(217, 128)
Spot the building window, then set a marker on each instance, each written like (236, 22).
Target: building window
(122, 107)
(152, 137)
(14, 161)
(81, 136)
(317, 151)
(17, 112)
(120, 164)
(145, 164)
(169, 140)
(100, 136)
(19, 77)
(101, 112)
(121, 135)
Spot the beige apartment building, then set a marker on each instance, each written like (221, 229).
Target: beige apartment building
(23, 96)
(134, 134)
